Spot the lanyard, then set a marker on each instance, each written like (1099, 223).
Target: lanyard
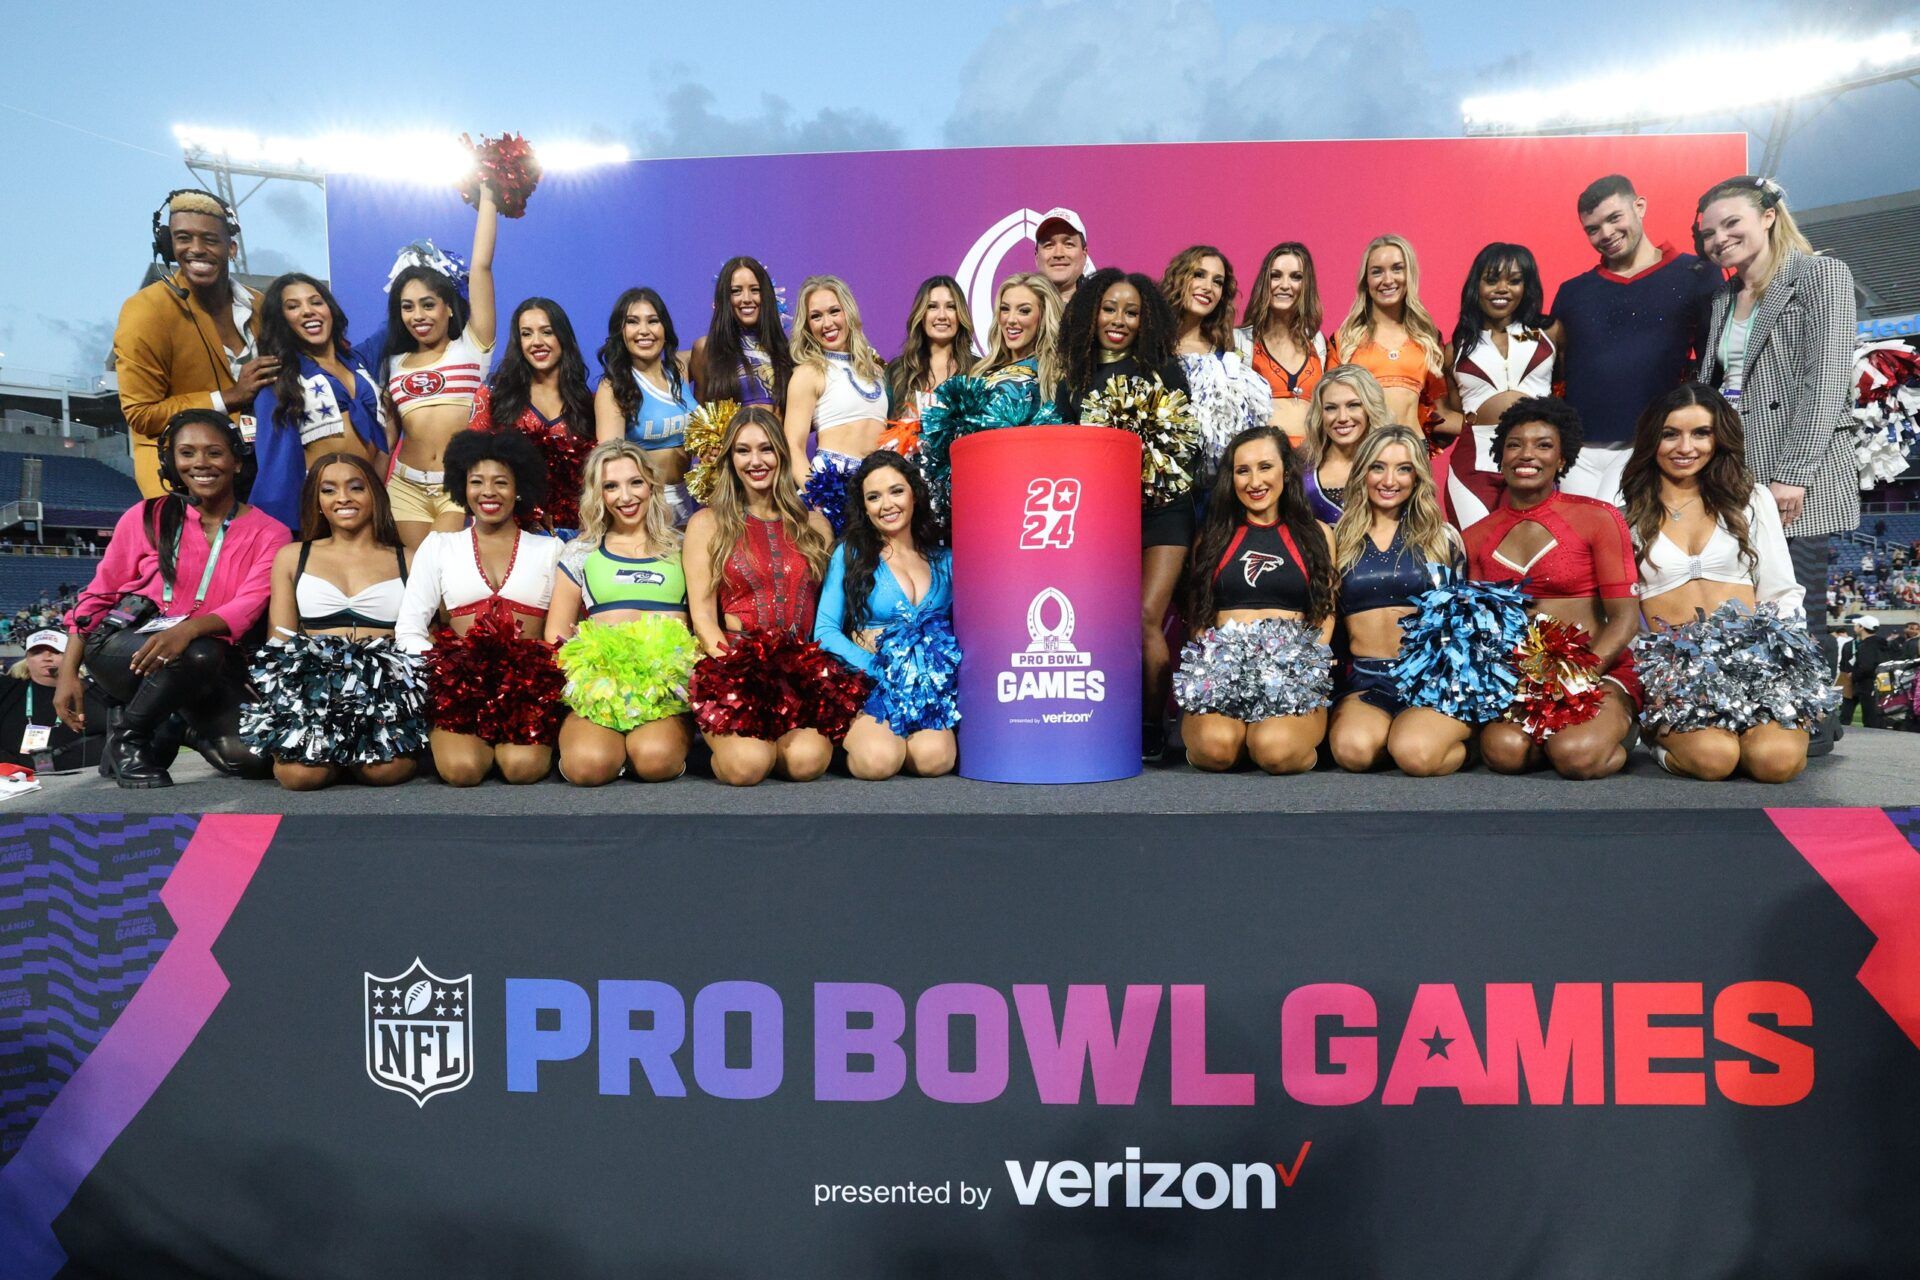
(206, 576)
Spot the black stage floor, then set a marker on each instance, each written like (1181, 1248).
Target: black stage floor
(1869, 767)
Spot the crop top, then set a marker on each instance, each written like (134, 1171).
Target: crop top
(766, 582)
(1327, 504)
(1172, 376)
(1588, 551)
(1262, 569)
(844, 399)
(322, 605)
(1403, 368)
(329, 412)
(659, 421)
(1484, 373)
(1387, 579)
(455, 378)
(446, 571)
(608, 582)
(1667, 566)
(1283, 385)
(887, 602)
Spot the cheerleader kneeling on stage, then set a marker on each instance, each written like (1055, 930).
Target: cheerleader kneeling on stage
(1733, 681)
(495, 691)
(1255, 683)
(886, 610)
(620, 607)
(334, 694)
(767, 699)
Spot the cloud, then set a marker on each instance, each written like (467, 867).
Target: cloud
(91, 340)
(296, 207)
(690, 126)
(272, 262)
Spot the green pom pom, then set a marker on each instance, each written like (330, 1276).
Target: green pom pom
(625, 674)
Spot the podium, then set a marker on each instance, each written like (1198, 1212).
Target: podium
(1046, 603)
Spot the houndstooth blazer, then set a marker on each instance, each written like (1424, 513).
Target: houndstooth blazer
(1798, 388)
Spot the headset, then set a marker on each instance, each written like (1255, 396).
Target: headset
(163, 236)
(170, 473)
(1768, 190)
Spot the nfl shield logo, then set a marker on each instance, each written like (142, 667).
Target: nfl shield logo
(419, 1032)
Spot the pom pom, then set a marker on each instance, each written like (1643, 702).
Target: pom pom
(1732, 670)
(505, 166)
(495, 683)
(769, 683)
(1886, 409)
(964, 404)
(566, 455)
(1559, 679)
(917, 675)
(1228, 397)
(1457, 648)
(334, 700)
(424, 253)
(827, 488)
(902, 435)
(1253, 671)
(706, 428)
(1169, 433)
(626, 674)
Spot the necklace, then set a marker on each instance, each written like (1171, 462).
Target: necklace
(845, 361)
(1673, 513)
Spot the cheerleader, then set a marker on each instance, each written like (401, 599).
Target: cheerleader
(1574, 557)
(939, 345)
(438, 348)
(1347, 407)
(1260, 587)
(838, 396)
(334, 695)
(1386, 546)
(1228, 396)
(620, 606)
(1118, 327)
(540, 389)
(646, 391)
(1026, 333)
(1279, 336)
(744, 356)
(767, 699)
(886, 610)
(1390, 334)
(323, 401)
(1504, 349)
(495, 689)
(1733, 682)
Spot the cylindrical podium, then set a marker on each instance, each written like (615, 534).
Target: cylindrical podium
(1046, 603)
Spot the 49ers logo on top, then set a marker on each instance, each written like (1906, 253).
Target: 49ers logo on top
(1047, 521)
(423, 382)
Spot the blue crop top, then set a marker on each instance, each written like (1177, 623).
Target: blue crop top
(1386, 579)
(885, 603)
(659, 421)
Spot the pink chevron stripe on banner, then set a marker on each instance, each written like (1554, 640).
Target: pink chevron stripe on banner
(1876, 872)
(143, 1046)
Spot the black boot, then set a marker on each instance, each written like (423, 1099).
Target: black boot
(128, 757)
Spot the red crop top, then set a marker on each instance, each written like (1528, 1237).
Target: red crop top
(767, 582)
(1588, 550)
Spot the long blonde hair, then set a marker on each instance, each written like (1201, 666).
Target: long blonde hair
(1372, 398)
(867, 364)
(1422, 528)
(1046, 343)
(1356, 330)
(595, 522)
(729, 505)
(1783, 237)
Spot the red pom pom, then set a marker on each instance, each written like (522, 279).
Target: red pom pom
(495, 683)
(566, 459)
(770, 683)
(1559, 679)
(505, 165)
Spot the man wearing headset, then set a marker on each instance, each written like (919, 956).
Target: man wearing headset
(187, 341)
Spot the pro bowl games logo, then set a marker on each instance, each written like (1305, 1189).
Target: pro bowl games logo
(1050, 667)
(420, 1032)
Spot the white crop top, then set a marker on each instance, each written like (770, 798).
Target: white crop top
(844, 398)
(1665, 566)
(455, 378)
(446, 571)
(1484, 373)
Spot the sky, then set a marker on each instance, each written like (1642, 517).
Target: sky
(91, 93)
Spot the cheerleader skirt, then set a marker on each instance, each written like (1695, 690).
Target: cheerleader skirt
(622, 675)
(332, 700)
(1737, 668)
(1255, 671)
(771, 682)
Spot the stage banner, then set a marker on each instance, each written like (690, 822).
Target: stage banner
(1681, 1044)
(1046, 603)
(886, 220)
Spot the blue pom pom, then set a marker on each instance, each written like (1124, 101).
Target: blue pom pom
(1456, 650)
(826, 490)
(917, 678)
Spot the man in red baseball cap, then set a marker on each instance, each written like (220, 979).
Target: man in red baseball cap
(1060, 250)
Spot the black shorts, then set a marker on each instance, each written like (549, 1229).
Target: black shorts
(1372, 679)
(1168, 526)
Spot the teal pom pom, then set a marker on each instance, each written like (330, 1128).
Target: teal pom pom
(917, 676)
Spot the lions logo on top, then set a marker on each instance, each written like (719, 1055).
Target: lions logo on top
(419, 1032)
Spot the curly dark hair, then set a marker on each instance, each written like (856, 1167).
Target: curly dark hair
(1553, 411)
(277, 339)
(512, 382)
(1080, 337)
(862, 541)
(1224, 517)
(512, 450)
(1218, 326)
(166, 515)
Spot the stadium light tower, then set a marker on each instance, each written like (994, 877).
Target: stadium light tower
(1787, 78)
